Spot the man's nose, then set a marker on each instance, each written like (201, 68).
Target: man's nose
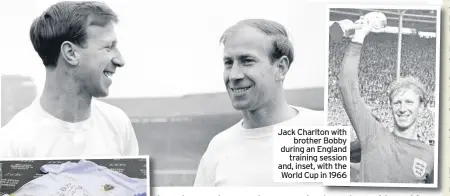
(236, 73)
(118, 61)
(402, 107)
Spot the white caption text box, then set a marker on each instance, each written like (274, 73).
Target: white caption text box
(311, 154)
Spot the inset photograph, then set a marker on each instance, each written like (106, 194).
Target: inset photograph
(112, 176)
(383, 80)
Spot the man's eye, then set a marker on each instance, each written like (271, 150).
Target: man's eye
(228, 63)
(247, 61)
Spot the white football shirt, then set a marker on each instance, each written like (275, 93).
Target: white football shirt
(35, 133)
(84, 178)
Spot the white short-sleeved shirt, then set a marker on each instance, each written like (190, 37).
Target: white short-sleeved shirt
(84, 178)
(35, 133)
(243, 157)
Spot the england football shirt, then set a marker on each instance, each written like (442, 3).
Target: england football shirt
(84, 178)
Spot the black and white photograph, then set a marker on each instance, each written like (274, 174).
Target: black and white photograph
(193, 92)
(98, 176)
(199, 85)
(383, 81)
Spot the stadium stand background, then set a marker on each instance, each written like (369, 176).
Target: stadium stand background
(17, 93)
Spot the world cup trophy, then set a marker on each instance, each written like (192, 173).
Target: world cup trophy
(346, 28)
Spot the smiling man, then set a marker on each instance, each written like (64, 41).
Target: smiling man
(257, 58)
(78, 46)
(386, 157)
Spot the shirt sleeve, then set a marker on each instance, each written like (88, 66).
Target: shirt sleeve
(359, 114)
(131, 143)
(430, 178)
(205, 172)
(131, 146)
(7, 147)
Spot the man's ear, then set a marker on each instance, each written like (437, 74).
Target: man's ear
(421, 106)
(69, 53)
(282, 67)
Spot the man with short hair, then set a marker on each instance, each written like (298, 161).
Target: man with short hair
(78, 46)
(386, 157)
(257, 57)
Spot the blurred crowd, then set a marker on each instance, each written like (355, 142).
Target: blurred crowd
(377, 70)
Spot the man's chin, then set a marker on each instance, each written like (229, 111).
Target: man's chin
(101, 94)
(403, 126)
(98, 96)
(240, 106)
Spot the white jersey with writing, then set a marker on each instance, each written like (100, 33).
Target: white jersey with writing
(84, 178)
(243, 157)
(35, 133)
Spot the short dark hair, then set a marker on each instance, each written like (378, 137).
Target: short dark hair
(66, 21)
(281, 46)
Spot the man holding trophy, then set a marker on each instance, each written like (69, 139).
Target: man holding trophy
(386, 157)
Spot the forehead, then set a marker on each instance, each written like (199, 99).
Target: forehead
(405, 93)
(246, 40)
(97, 33)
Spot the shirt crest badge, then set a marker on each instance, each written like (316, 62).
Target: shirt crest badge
(419, 167)
(108, 187)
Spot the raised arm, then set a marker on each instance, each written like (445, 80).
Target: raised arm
(359, 114)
